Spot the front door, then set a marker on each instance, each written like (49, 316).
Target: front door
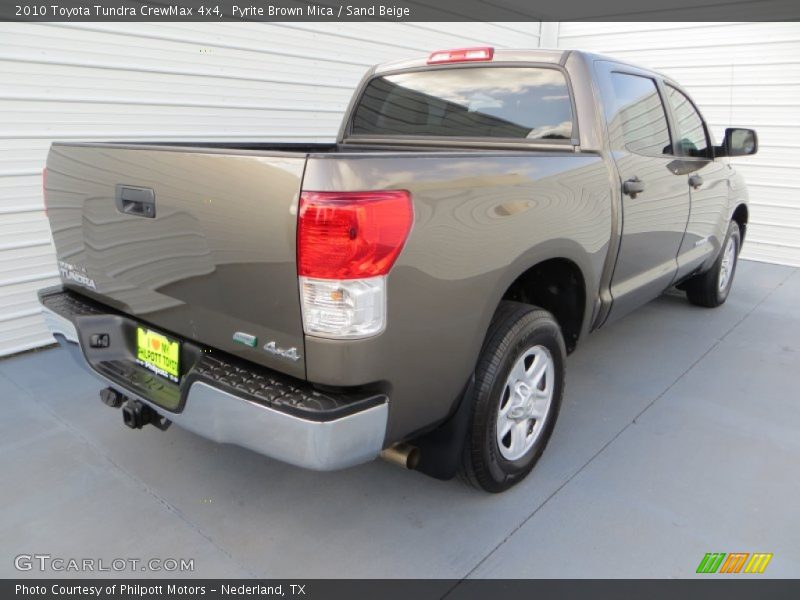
(708, 183)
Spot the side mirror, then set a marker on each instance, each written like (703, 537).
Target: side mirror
(738, 142)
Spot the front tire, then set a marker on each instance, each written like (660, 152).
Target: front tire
(519, 383)
(711, 289)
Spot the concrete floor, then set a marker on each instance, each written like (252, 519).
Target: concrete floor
(679, 435)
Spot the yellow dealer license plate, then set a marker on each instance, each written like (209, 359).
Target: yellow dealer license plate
(158, 353)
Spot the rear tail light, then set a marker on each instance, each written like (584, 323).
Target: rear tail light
(461, 55)
(346, 244)
(350, 235)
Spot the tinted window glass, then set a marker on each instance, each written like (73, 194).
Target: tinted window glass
(499, 102)
(636, 119)
(692, 139)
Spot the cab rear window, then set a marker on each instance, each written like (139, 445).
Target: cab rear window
(531, 103)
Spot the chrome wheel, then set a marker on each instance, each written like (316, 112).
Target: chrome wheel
(728, 264)
(525, 403)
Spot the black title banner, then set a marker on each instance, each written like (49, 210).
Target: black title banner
(399, 10)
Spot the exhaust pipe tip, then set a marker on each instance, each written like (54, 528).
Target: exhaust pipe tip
(404, 456)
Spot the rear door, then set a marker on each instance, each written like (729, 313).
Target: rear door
(199, 243)
(655, 198)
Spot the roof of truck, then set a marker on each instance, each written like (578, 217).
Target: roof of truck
(538, 55)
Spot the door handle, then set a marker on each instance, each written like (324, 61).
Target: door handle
(695, 181)
(136, 201)
(631, 187)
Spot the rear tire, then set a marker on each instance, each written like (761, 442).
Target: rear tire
(519, 383)
(711, 289)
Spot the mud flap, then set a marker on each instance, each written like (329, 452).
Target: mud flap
(441, 449)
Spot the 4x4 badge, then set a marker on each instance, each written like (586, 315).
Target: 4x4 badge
(290, 353)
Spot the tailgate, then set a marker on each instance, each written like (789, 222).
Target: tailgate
(199, 243)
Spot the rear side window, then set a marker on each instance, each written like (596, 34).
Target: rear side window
(636, 118)
(692, 139)
(530, 103)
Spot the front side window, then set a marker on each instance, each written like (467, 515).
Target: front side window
(636, 118)
(531, 103)
(692, 139)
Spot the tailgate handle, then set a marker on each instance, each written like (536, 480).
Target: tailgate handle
(136, 201)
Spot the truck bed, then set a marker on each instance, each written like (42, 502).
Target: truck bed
(218, 257)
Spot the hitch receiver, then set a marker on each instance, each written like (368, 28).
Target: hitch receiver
(136, 415)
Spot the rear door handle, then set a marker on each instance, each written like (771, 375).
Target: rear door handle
(631, 187)
(136, 201)
(695, 181)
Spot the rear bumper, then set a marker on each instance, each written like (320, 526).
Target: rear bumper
(226, 401)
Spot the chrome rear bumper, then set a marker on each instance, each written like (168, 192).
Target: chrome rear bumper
(314, 443)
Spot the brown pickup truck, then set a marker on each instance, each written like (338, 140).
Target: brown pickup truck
(409, 291)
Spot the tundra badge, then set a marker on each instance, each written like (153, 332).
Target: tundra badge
(75, 273)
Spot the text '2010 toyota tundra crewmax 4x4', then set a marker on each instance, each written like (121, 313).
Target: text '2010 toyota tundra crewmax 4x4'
(410, 291)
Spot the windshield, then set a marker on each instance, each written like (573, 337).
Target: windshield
(530, 103)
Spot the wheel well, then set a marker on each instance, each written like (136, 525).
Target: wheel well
(740, 215)
(557, 286)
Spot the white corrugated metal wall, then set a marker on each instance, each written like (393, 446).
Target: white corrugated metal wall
(740, 74)
(197, 81)
(292, 81)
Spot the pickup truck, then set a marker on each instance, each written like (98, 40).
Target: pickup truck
(410, 291)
